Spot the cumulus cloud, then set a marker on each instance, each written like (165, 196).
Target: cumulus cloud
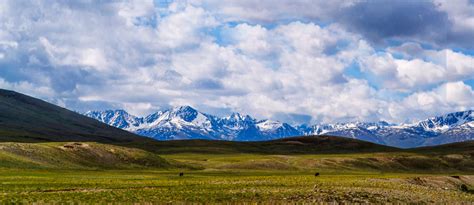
(439, 22)
(184, 26)
(418, 68)
(292, 60)
(444, 98)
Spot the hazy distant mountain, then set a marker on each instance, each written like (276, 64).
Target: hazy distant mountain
(186, 122)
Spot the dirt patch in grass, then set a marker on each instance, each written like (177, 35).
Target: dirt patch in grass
(443, 182)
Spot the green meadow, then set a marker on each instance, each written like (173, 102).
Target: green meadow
(49, 186)
(90, 172)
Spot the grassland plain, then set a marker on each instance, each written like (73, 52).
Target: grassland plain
(89, 172)
(219, 186)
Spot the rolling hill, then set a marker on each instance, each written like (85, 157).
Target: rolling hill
(27, 119)
(77, 155)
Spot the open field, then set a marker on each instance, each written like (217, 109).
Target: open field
(228, 186)
(92, 172)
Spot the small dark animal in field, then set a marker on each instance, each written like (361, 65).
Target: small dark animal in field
(317, 174)
(181, 174)
(456, 177)
(464, 188)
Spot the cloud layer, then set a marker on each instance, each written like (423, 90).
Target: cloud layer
(293, 61)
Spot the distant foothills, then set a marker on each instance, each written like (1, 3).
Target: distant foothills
(185, 122)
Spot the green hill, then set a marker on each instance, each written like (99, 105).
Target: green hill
(76, 155)
(27, 119)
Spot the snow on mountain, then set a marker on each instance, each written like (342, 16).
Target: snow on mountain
(274, 129)
(355, 130)
(116, 118)
(269, 125)
(433, 131)
(446, 122)
(185, 122)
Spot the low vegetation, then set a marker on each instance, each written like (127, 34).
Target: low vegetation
(89, 172)
(77, 155)
(27, 186)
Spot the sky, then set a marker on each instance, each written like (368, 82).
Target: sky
(297, 61)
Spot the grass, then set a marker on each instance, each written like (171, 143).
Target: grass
(222, 172)
(27, 186)
(77, 155)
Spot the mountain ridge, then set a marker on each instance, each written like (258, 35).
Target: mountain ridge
(185, 122)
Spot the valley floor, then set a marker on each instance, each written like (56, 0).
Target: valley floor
(27, 186)
(100, 173)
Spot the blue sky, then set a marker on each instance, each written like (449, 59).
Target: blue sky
(297, 61)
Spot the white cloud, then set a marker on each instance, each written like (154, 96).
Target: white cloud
(187, 53)
(251, 40)
(133, 9)
(419, 68)
(184, 27)
(29, 89)
(416, 73)
(442, 99)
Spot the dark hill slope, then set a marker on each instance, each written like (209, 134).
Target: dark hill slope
(27, 119)
(292, 145)
(466, 147)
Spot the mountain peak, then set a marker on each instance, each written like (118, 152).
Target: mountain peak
(269, 124)
(184, 108)
(235, 116)
(187, 113)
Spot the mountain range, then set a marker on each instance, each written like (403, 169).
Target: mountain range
(185, 122)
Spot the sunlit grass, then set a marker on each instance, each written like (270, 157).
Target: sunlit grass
(101, 173)
(215, 186)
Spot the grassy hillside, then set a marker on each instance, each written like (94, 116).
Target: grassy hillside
(27, 119)
(76, 155)
(229, 156)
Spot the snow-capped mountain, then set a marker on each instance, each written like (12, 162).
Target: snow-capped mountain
(453, 127)
(186, 122)
(275, 129)
(116, 118)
